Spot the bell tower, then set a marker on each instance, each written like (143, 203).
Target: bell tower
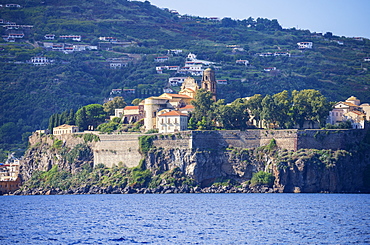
(209, 82)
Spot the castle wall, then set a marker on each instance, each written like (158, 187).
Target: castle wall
(330, 139)
(124, 148)
(113, 149)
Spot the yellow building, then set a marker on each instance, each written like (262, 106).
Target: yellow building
(65, 129)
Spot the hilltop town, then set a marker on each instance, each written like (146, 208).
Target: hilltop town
(159, 96)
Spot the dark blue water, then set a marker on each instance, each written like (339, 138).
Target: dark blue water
(186, 219)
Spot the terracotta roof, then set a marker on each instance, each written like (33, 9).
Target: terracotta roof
(131, 108)
(66, 126)
(187, 107)
(172, 113)
(357, 113)
(349, 104)
(189, 89)
(177, 95)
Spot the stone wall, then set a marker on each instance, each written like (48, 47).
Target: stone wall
(113, 149)
(330, 139)
(290, 139)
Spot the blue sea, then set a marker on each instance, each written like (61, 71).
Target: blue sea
(186, 219)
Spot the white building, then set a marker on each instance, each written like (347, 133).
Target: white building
(73, 37)
(65, 129)
(49, 36)
(161, 59)
(305, 45)
(172, 121)
(350, 110)
(176, 81)
(40, 61)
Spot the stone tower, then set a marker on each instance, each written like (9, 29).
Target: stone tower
(209, 82)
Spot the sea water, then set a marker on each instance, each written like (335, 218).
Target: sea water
(186, 219)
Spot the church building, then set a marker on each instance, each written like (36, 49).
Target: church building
(169, 112)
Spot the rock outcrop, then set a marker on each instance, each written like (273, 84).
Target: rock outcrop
(212, 171)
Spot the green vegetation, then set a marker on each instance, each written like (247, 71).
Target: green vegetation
(262, 178)
(31, 94)
(146, 143)
(117, 176)
(91, 137)
(281, 110)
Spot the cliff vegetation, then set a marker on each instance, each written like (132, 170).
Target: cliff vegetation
(52, 169)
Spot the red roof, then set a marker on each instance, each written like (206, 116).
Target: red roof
(357, 113)
(178, 96)
(172, 113)
(131, 108)
(187, 107)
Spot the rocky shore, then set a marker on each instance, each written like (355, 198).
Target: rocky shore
(158, 190)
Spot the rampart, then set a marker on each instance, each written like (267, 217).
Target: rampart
(290, 139)
(117, 148)
(124, 148)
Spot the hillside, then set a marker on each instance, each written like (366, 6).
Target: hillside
(30, 94)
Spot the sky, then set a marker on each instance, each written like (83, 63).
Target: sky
(350, 18)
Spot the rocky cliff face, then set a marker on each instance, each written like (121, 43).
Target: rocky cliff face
(69, 153)
(307, 170)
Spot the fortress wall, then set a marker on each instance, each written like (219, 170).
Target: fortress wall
(173, 142)
(112, 149)
(241, 139)
(124, 148)
(285, 139)
(330, 139)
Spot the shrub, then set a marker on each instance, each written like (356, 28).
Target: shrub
(262, 178)
(91, 137)
(146, 143)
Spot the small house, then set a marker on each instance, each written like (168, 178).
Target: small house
(65, 129)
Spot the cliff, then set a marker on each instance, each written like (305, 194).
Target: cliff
(307, 170)
(67, 164)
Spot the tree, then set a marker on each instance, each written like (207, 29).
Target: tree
(283, 115)
(309, 105)
(228, 22)
(71, 117)
(233, 116)
(269, 111)
(90, 115)
(203, 108)
(117, 103)
(254, 105)
(136, 101)
(81, 119)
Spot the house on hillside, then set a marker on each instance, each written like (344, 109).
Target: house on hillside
(305, 45)
(350, 110)
(130, 114)
(268, 69)
(242, 62)
(73, 37)
(40, 61)
(9, 175)
(49, 37)
(108, 39)
(12, 5)
(176, 81)
(65, 129)
(161, 59)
